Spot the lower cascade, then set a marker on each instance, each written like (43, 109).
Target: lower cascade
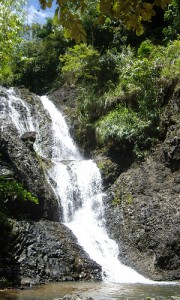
(77, 184)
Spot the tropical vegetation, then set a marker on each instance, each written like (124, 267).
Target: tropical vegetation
(120, 74)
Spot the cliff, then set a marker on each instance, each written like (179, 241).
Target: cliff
(141, 203)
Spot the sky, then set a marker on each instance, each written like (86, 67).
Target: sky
(37, 15)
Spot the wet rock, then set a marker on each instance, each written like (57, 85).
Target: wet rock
(29, 139)
(171, 148)
(143, 213)
(48, 251)
(108, 168)
(16, 152)
(29, 172)
(64, 97)
(6, 171)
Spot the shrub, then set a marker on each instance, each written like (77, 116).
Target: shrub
(108, 70)
(14, 190)
(120, 125)
(171, 68)
(80, 63)
(145, 49)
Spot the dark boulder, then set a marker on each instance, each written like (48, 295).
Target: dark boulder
(48, 251)
(29, 139)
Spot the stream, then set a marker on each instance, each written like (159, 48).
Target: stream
(96, 290)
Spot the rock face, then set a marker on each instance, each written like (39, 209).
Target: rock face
(28, 171)
(43, 251)
(143, 206)
(143, 214)
(33, 251)
(29, 138)
(48, 251)
(17, 153)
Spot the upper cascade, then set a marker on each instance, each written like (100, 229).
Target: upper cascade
(63, 147)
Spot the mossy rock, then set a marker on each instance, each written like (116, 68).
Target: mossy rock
(109, 170)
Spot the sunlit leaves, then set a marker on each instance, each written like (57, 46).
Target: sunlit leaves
(13, 190)
(80, 63)
(119, 125)
(10, 27)
(131, 13)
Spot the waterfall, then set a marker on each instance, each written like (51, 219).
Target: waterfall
(77, 184)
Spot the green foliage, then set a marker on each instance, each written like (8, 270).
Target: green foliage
(11, 24)
(37, 67)
(145, 49)
(171, 66)
(120, 125)
(126, 110)
(13, 190)
(80, 63)
(108, 68)
(143, 76)
(131, 13)
(172, 16)
(89, 106)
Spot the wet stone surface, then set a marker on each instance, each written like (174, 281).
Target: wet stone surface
(48, 251)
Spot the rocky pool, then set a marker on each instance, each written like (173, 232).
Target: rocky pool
(97, 290)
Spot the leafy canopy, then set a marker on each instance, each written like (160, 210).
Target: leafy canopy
(80, 62)
(131, 13)
(11, 24)
(37, 66)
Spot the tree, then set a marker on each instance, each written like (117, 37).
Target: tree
(37, 66)
(172, 16)
(130, 13)
(11, 24)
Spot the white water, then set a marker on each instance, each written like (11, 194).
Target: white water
(78, 186)
(20, 113)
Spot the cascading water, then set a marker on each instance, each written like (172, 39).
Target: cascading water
(79, 189)
(20, 113)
